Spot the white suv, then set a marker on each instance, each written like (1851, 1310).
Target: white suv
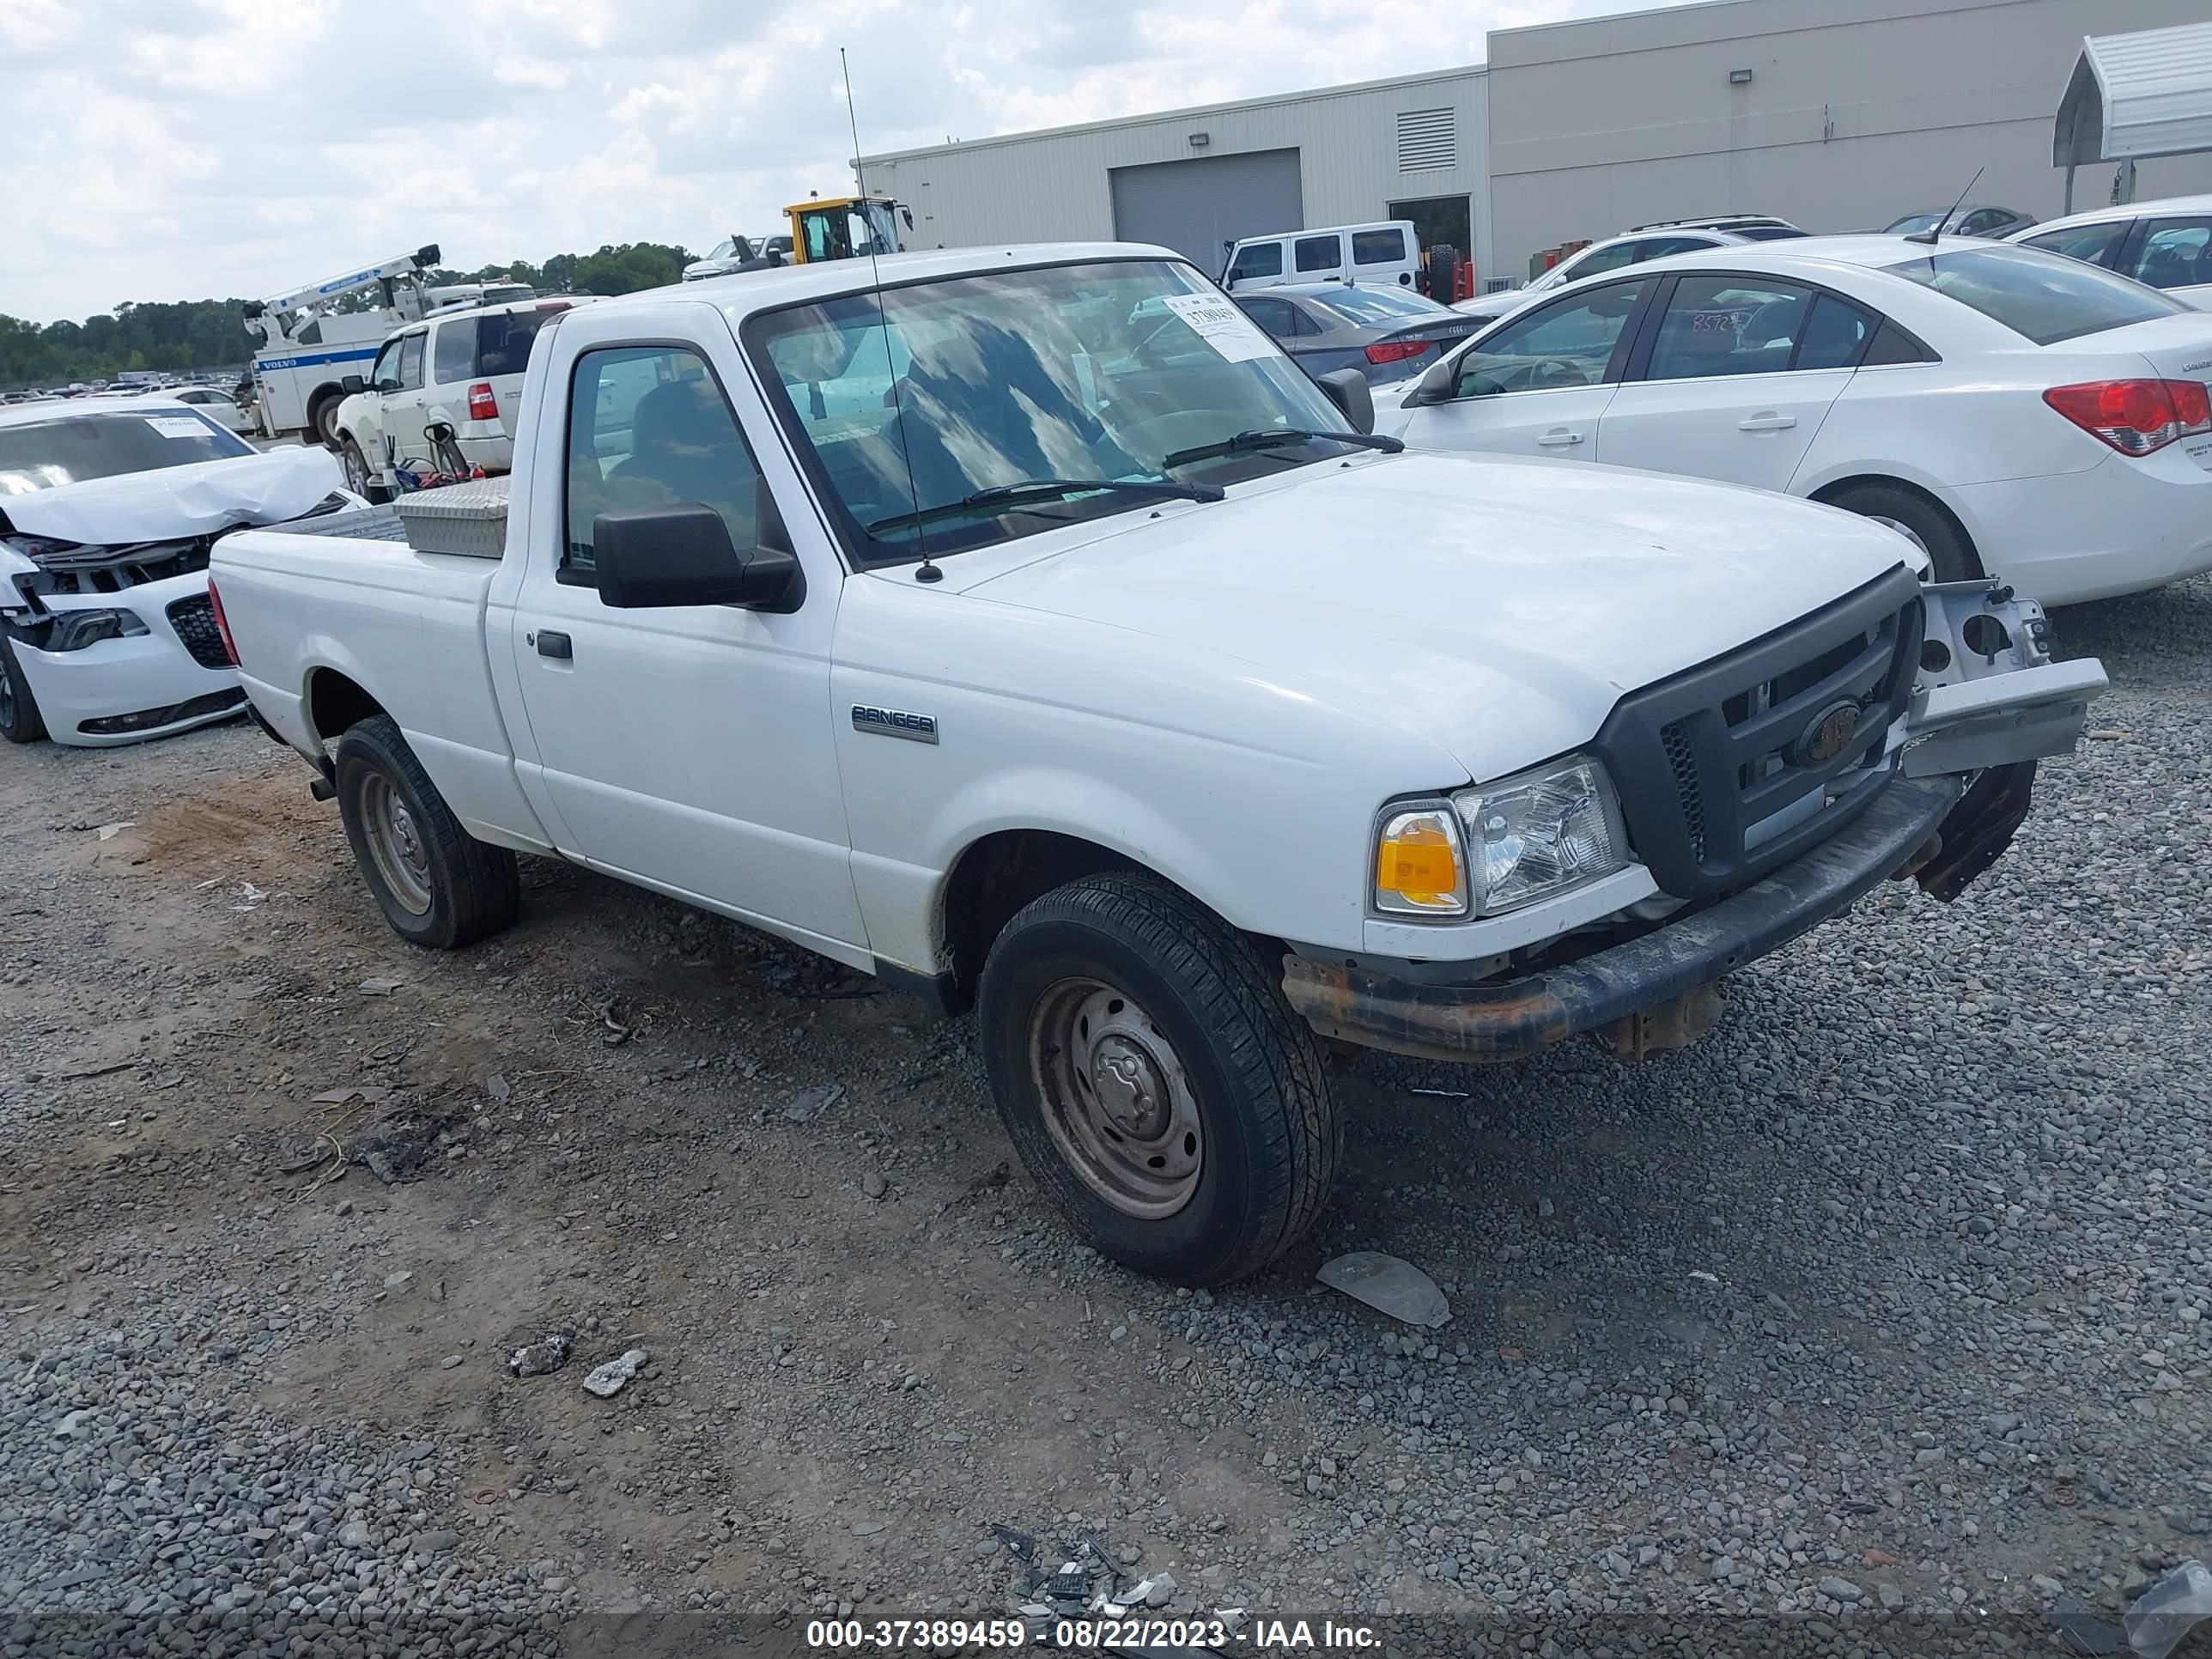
(463, 368)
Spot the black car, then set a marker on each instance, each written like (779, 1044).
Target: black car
(1386, 333)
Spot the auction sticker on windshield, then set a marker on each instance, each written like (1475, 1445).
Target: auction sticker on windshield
(178, 425)
(1220, 324)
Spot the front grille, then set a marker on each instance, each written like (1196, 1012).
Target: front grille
(1674, 737)
(1711, 762)
(194, 621)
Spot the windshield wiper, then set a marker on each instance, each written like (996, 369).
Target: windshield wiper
(1280, 437)
(1014, 496)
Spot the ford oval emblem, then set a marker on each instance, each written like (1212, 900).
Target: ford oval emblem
(1827, 734)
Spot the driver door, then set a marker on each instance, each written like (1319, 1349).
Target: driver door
(1537, 384)
(400, 393)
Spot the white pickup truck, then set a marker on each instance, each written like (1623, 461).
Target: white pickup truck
(1024, 628)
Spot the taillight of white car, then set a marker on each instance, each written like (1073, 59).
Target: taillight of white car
(2136, 416)
(482, 406)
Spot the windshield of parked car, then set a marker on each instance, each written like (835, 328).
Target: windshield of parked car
(1910, 222)
(2040, 295)
(1368, 305)
(108, 444)
(1098, 371)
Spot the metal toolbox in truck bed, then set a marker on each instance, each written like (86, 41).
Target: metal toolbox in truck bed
(469, 519)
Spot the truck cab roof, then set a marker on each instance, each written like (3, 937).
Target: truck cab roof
(741, 295)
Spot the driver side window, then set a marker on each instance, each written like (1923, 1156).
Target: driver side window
(648, 425)
(1568, 343)
(384, 376)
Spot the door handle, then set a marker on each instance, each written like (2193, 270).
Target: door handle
(550, 644)
(1769, 421)
(1560, 434)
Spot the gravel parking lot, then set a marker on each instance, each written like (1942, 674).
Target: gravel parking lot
(1892, 1295)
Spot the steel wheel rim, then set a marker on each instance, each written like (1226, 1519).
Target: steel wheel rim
(1118, 1105)
(356, 469)
(395, 842)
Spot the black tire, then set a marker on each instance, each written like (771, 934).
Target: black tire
(322, 424)
(468, 888)
(20, 719)
(1936, 531)
(354, 465)
(1257, 1086)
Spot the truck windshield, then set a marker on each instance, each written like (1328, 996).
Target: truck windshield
(961, 387)
(47, 454)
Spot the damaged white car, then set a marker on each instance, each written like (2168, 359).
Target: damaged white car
(107, 514)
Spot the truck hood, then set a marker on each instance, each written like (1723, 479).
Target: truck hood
(178, 501)
(1498, 608)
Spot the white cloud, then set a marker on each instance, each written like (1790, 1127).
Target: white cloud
(164, 150)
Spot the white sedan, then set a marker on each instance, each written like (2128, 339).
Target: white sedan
(2015, 414)
(108, 509)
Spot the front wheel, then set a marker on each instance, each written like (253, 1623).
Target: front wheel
(20, 719)
(357, 476)
(437, 884)
(1155, 1082)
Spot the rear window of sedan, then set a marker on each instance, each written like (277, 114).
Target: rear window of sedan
(1366, 306)
(2039, 295)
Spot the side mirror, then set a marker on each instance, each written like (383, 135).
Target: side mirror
(649, 558)
(1348, 390)
(1440, 385)
(351, 383)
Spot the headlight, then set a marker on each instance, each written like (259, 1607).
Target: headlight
(1540, 832)
(73, 630)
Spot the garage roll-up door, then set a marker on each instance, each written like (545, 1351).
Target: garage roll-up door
(1200, 206)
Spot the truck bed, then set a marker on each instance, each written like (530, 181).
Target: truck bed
(345, 598)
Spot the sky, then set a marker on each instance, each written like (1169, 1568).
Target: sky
(178, 149)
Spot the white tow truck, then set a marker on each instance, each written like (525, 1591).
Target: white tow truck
(309, 346)
(1024, 628)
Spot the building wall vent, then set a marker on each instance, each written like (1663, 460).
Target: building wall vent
(1427, 139)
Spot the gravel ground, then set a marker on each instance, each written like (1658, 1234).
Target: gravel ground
(1891, 1297)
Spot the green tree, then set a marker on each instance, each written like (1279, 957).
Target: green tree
(178, 337)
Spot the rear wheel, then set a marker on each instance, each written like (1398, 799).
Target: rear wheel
(437, 884)
(322, 424)
(20, 719)
(1156, 1083)
(1920, 521)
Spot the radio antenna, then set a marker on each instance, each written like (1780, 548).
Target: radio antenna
(1927, 238)
(924, 572)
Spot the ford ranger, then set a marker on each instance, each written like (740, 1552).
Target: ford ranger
(1022, 627)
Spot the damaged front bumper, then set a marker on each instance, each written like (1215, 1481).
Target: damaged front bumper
(1617, 992)
(1988, 703)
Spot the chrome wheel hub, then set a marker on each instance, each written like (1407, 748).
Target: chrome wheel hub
(1118, 1104)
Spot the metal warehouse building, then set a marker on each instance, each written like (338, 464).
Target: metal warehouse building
(1838, 114)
